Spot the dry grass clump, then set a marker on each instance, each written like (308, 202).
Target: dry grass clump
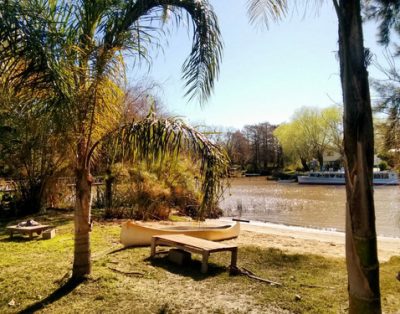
(143, 191)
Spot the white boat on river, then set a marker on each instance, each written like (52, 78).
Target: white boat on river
(338, 178)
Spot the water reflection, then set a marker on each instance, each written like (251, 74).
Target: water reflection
(306, 205)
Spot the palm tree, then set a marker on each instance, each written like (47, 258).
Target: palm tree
(361, 243)
(68, 58)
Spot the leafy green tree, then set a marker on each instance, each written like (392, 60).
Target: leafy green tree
(313, 128)
(32, 151)
(361, 243)
(295, 144)
(333, 123)
(310, 134)
(71, 56)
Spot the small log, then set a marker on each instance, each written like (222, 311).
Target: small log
(240, 220)
(316, 286)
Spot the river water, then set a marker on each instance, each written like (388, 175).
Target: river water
(313, 206)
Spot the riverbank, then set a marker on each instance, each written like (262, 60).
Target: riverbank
(306, 240)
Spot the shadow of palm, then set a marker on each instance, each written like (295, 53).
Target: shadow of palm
(64, 290)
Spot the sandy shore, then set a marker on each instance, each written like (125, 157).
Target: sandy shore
(297, 239)
(306, 240)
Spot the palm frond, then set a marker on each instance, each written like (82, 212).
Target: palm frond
(35, 41)
(155, 138)
(201, 68)
(265, 11)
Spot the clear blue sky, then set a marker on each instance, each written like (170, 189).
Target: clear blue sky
(265, 74)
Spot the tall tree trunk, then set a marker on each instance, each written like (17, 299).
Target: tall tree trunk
(320, 158)
(82, 263)
(304, 164)
(361, 245)
(280, 161)
(108, 192)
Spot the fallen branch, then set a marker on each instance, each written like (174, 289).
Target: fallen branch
(248, 271)
(272, 283)
(243, 271)
(128, 273)
(316, 286)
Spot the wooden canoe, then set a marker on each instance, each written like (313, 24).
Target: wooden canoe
(135, 234)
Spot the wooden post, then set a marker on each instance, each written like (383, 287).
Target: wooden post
(153, 247)
(204, 264)
(234, 257)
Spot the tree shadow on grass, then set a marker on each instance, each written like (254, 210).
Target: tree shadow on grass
(19, 239)
(191, 269)
(64, 290)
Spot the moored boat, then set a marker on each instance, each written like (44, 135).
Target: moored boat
(338, 178)
(135, 234)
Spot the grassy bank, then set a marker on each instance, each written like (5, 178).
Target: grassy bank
(126, 281)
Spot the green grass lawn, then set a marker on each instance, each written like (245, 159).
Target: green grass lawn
(126, 281)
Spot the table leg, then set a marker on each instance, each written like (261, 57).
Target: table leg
(153, 247)
(31, 235)
(11, 234)
(234, 257)
(204, 263)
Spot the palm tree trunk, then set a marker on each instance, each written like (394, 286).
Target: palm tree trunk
(82, 264)
(361, 245)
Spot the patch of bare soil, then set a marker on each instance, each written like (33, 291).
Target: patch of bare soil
(189, 296)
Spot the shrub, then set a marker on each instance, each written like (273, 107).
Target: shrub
(383, 165)
(146, 192)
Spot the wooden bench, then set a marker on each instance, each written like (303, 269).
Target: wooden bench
(27, 230)
(194, 245)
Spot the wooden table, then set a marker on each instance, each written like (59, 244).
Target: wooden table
(194, 245)
(27, 230)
